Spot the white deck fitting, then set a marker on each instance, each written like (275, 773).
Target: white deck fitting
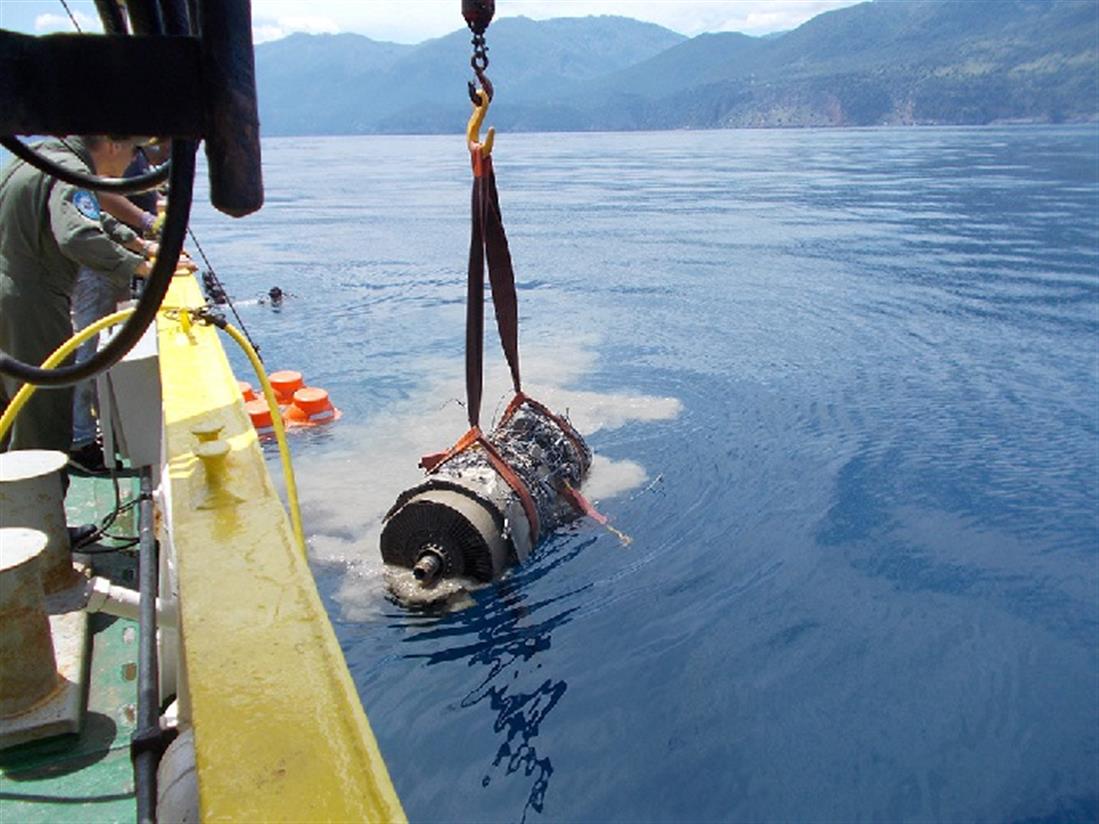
(63, 711)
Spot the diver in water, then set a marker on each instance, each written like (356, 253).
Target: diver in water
(275, 297)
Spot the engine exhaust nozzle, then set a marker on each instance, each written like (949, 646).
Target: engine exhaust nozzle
(428, 566)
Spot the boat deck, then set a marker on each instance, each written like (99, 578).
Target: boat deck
(87, 777)
(254, 642)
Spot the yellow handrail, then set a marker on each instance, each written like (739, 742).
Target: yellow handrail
(94, 328)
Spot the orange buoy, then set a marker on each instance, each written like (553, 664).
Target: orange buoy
(314, 402)
(311, 406)
(293, 416)
(259, 414)
(299, 405)
(285, 384)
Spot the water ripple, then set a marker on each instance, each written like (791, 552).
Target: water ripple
(844, 386)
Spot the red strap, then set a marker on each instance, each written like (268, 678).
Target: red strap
(516, 483)
(582, 504)
(433, 461)
(477, 161)
(489, 244)
(475, 300)
(521, 398)
(584, 507)
(513, 407)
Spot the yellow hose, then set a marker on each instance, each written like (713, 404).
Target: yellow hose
(56, 357)
(280, 434)
(69, 346)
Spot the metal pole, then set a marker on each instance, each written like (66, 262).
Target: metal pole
(145, 745)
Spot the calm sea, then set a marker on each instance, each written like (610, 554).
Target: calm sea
(844, 389)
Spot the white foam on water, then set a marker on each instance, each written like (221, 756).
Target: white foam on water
(608, 478)
(445, 595)
(345, 496)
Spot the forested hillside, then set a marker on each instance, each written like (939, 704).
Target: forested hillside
(881, 62)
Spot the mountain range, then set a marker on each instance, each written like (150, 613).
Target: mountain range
(876, 63)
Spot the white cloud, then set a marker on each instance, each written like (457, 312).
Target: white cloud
(413, 21)
(777, 15)
(419, 20)
(264, 33)
(690, 17)
(265, 28)
(51, 23)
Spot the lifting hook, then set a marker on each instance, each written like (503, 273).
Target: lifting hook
(481, 98)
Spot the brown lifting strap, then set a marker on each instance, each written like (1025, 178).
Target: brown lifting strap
(488, 243)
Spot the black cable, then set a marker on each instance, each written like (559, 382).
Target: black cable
(193, 15)
(171, 244)
(143, 750)
(113, 23)
(111, 16)
(221, 289)
(72, 16)
(176, 17)
(145, 17)
(125, 540)
(118, 185)
(106, 550)
(109, 520)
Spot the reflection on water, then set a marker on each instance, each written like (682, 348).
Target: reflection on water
(508, 632)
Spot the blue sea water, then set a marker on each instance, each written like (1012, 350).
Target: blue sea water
(844, 386)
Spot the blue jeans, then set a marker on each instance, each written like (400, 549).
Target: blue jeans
(94, 296)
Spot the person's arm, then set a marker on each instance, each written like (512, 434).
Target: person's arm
(122, 209)
(120, 233)
(75, 219)
(123, 235)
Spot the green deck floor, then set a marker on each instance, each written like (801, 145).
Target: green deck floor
(86, 777)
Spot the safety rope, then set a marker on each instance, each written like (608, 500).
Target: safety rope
(220, 291)
(72, 17)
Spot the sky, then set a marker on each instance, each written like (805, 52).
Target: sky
(413, 21)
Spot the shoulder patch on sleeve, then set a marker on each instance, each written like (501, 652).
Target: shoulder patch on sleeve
(86, 203)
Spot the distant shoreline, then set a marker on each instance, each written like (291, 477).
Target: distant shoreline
(1012, 124)
(5, 155)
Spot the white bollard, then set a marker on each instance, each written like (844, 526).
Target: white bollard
(32, 496)
(28, 668)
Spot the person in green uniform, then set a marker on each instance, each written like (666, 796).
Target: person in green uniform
(96, 295)
(48, 230)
